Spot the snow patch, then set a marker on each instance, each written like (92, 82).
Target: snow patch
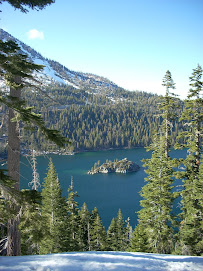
(101, 261)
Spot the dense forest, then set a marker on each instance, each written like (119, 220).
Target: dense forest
(97, 120)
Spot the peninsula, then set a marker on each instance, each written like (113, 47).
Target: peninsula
(122, 166)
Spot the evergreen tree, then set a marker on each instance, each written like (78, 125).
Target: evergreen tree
(121, 231)
(75, 243)
(97, 232)
(167, 109)
(54, 214)
(119, 235)
(155, 218)
(112, 237)
(31, 222)
(128, 234)
(139, 239)
(7, 211)
(191, 227)
(84, 228)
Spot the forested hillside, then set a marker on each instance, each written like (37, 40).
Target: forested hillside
(92, 121)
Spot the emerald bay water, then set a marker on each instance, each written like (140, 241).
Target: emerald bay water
(107, 192)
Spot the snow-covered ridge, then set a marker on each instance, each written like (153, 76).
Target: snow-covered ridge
(97, 261)
(56, 72)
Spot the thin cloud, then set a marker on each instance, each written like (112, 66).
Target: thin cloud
(35, 34)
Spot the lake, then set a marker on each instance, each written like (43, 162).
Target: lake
(107, 192)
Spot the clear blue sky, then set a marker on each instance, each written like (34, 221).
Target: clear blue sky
(131, 42)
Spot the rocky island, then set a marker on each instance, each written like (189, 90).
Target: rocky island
(122, 166)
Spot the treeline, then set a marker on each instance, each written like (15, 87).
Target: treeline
(99, 121)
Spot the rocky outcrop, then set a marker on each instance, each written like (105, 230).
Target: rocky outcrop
(122, 166)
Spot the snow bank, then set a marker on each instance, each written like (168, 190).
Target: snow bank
(97, 261)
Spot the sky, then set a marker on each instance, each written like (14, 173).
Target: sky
(131, 42)
(102, 261)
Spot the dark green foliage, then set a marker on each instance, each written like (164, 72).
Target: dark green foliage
(112, 236)
(155, 216)
(53, 214)
(97, 232)
(121, 230)
(13, 64)
(191, 227)
(73, 224)
(155, 222)
(84, 228)
(139, 241)
(33, 4)
(118, 236)
(96, 122)
(8, 197)
(31, 222)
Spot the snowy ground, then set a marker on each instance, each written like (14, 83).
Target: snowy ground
(97, 261)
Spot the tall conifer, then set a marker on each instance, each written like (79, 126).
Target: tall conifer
(84, 228)
(73, 224)
(155, 220)
(191, 226)
(97, 232)
(53, 214)
(112, 236)
(31, 222)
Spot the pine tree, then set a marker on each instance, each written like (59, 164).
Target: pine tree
(53, 214)
(157, 203)
(97, 232)
(84, 228)
(118, 234)
(75, 242)
(121, 231)
(139, 239)
(128, 234)
(31, 222)
(6, 211)
(112, 236)
(167, 106)
(155, 218)
(191, 227)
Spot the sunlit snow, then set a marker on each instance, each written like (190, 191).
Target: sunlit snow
(97, 261)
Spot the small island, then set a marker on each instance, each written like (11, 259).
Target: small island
(122, 166)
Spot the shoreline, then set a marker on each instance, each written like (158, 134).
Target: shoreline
(58, 152)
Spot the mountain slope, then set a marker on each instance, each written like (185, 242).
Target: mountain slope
(56, 72)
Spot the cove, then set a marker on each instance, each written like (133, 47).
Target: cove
(107, 192)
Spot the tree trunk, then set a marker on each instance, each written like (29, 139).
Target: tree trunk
(14, 245)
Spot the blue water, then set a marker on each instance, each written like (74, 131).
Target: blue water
(107, 192)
